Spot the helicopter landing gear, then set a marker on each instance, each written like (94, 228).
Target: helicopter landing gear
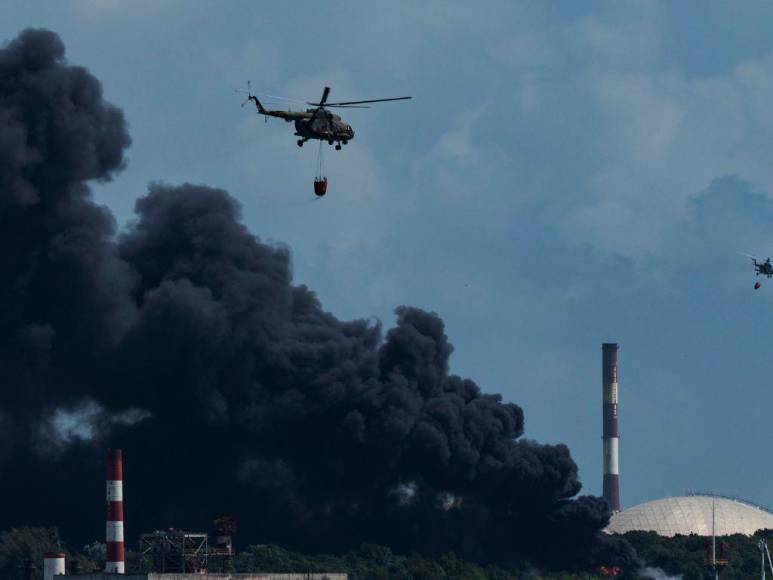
(300, 142)
(338, 146)
(329, 141)
(345, 142)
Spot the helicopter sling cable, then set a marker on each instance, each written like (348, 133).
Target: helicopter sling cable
(320, 181)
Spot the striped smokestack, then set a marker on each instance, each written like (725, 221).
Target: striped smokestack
(114, 527)
(609, 394)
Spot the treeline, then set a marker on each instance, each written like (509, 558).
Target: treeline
(686, 556)
(680, 557)
(22, 549)
(374, 562)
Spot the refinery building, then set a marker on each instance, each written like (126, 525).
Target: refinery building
(165, 554)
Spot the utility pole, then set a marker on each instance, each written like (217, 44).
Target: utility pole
(713, 542)
(761, 546)
(764, 552)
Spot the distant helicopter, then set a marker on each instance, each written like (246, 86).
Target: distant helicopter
(318, 123)
(765, 268)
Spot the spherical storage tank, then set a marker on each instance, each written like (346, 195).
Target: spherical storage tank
(692, 514)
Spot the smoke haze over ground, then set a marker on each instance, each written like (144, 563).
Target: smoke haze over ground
(183, 341)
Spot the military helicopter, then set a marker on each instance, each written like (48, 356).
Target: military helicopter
(765, 268)
(318, 123)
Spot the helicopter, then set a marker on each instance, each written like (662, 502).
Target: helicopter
(765, 268)
(318, 123)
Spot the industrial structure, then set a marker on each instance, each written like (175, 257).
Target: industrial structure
(611, 491)
(700, 513)
(116, 553)
(225, 527)
(177, 551)
(693, 514)
(167, 554)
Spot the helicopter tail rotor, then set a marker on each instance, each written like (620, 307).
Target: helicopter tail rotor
(250, 97)
(248, 92)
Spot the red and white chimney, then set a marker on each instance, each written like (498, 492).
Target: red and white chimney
(114, 526)
(611, 439)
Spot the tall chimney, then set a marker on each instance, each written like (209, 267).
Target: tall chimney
(114, 527)
(609, 397)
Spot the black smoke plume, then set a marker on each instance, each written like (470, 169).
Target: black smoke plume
(184, 342)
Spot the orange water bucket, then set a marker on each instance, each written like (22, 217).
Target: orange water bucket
(320, 186)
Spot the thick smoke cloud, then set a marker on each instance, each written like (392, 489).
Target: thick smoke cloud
(230, 389)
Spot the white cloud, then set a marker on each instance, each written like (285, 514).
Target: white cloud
(456, 145)
(659, 137)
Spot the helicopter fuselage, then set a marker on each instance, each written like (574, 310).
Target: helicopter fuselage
(316, 124)
(765, 268)
(325, 126)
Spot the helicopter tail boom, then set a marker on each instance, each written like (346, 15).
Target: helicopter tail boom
(258, 105)
(286, 115)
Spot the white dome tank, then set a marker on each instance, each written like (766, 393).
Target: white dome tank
(692, 514)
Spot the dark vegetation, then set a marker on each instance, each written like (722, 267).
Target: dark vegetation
(380, 563)
(20, 547)
(682, 555)
(686, 555)
(679, 556)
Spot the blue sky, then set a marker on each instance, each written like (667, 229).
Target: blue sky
(565, 176)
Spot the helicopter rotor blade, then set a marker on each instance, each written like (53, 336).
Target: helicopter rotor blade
(348, 106)
(749, 256)
(279, 98)
(323, 100)
(245, 92)
(320, 105)
(344, 103)
(268, 96)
